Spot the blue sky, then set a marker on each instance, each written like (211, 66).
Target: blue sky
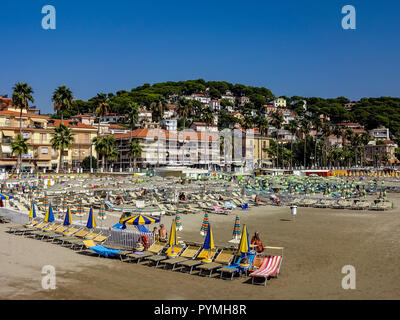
(291, 47)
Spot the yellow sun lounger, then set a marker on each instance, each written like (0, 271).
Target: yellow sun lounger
(190, 264)
(223, 258)
(154, 249)
(176, 250)
(189, 253)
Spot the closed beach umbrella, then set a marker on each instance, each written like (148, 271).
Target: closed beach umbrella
(244, 245)
(204, 225)
(209, 243)
(139, 219)
(91, 220)
(178, 221)
(46, 201)
(68, 218)
(5, 196)
(236, 229)
(173, 239)
(32, 211)
(102, 211)
(64, 204)
(49, 217)
(80, 210)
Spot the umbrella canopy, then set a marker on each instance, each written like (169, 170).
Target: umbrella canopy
(5, 196)
(244, 245)
(32, 211)
(49, 217)
(204, 225)
(178, 221)
(236, 229)
(173, 239)
(68, 219)
(139, 219)
(91, 220)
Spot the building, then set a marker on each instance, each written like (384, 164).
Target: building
(215, 105)
(38, 130)
(382, 152)
(169, 125)
(242, 101)
(380, 133)
(112, 118)
(145, 116)
(82, 144)
(262, 158)
(279, 103)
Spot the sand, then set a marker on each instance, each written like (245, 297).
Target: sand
(318, 243)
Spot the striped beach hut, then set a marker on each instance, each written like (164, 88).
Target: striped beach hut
(204, 225)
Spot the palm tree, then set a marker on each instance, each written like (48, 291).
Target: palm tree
(61, 140)
(22, 93)
(183, 110)
(207, 116)
(62, 99)
(305, 126)
(101, 108)
(104, 146)
(112, 153)
(131, 118)
(135, 151)
(326, 132)
(292, 127)
(19, 147)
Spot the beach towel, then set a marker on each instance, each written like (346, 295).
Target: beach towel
(104, 252)
(142, 228)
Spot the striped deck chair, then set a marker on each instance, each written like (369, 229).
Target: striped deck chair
(269, 267)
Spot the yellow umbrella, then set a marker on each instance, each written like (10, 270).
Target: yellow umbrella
(173, 239)
(244, 245)
(209, 244)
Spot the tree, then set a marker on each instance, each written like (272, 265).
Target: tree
(61, 140)
(131, 118)
(207, 116)
(86, 163)
(292, 127)
(19, 147)
(135, 151)
(22, 94)
(62, 99)
(104, 146)
(101, 103)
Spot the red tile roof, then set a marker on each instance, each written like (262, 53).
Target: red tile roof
(161, 133)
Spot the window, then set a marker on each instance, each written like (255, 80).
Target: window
(43, 136)
(45, 150)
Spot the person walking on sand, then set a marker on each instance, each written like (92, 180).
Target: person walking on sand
(257, 241)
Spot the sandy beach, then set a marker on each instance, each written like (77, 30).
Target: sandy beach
(318, 243)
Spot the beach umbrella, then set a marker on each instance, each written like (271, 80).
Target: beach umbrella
(178, 221)
(208, 243)
(171, 197)
(64, 203)
(102, 211)
(173, 238)
(46, 201)
(80, 210)
(91, 220)
(244, 245)
(204, 225)
(30, 193)
(32, 211)
(243, 191)
(68, 218)
(49, 217)
(6, 196)
(236, 229)
(139, 219)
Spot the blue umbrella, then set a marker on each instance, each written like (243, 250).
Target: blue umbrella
(91, 221)
(49, 217)
(67, 219)
(5, 196)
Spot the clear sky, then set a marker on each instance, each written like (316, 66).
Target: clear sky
(292, 47)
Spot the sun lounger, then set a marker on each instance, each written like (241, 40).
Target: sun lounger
(220, 210)
(189, 265)
(237, 268)
(154, 249)
(269, 267)
(155, 259)
(223, 258)
(189, 253)
(100, 250)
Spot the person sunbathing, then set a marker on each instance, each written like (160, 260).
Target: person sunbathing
(257, 241)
